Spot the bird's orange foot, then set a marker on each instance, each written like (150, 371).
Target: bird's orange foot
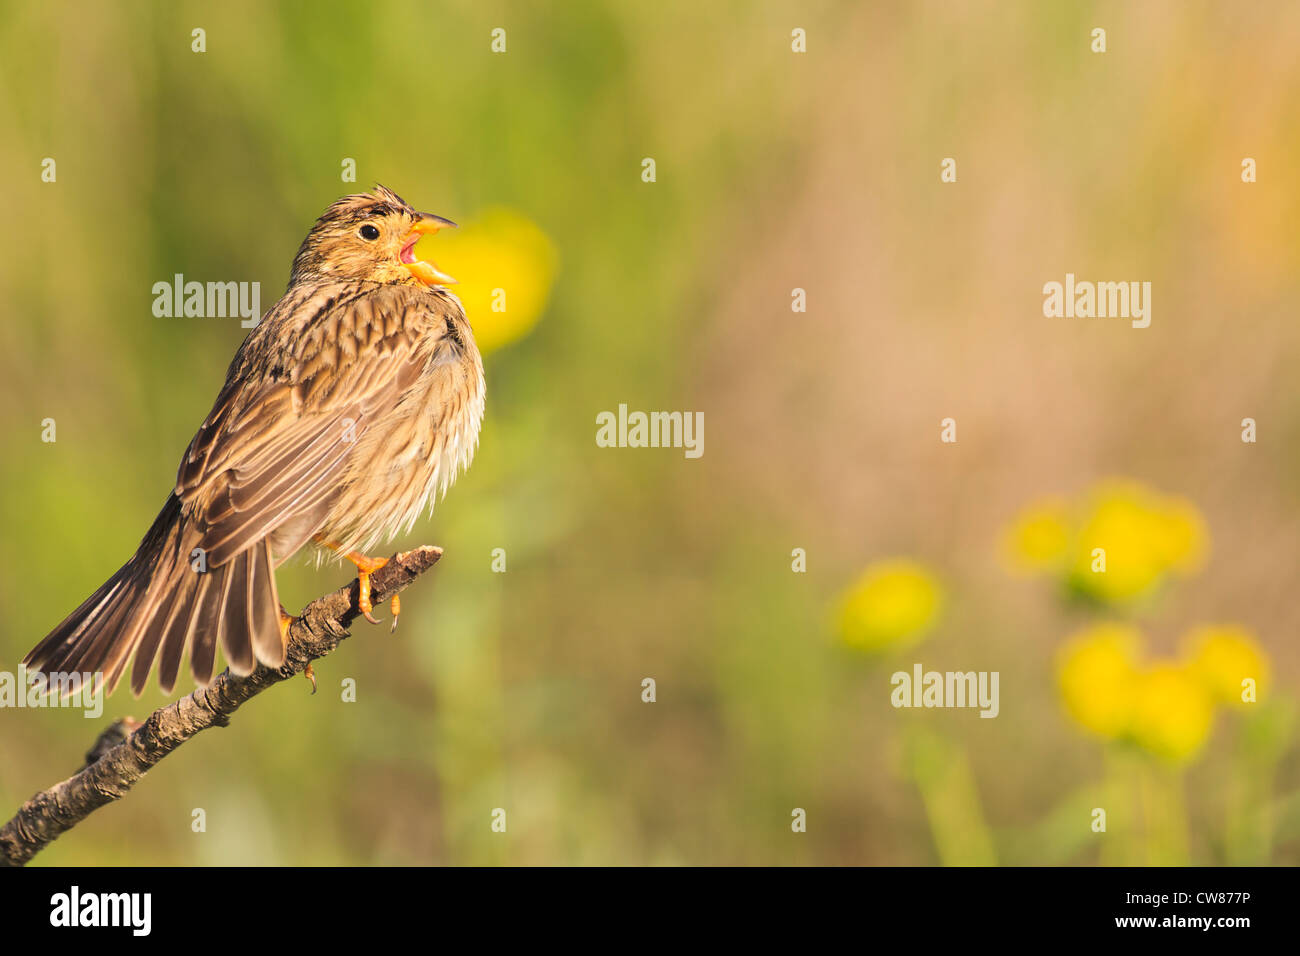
(366, 567)
(310, 674)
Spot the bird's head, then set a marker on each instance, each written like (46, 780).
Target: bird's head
(370, 236)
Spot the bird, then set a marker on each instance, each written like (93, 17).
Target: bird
(346, 413)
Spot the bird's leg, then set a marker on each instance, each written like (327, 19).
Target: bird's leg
(366, 566)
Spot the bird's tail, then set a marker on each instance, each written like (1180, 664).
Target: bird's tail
(164, 600)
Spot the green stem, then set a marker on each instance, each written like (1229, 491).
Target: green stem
(1165, 812)
(952, 805)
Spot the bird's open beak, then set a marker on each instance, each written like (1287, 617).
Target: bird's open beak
(426, 272)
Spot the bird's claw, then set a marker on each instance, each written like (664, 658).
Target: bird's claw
(365, 567)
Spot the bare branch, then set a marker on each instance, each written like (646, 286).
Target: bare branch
(122, 762)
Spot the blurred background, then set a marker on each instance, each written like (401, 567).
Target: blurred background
(774, 170)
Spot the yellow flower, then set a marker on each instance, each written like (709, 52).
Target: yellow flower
(1039, 537)
(892, 605)
(1122, 525)
(1167, 707)
(1144, 537)
(1223, 657)
(504, 265)
(1173, 712)
(1097, 672)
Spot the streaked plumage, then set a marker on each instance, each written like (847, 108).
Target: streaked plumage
(348, 409)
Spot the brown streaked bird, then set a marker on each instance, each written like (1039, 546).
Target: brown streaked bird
(347, 411)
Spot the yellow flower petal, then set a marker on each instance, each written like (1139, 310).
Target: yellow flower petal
(1145, 537)
(892, 605)
(504, 265)
(1225, 657)
(1184, 539)
(1039, 537)
(1097, 673)
(1173, 712)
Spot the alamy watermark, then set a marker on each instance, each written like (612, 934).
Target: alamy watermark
(923, 688)
(210, 300)
(1102, 300)
(55, 689)
(75, 908)
(626, 429)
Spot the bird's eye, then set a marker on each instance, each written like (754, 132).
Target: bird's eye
(369, 232)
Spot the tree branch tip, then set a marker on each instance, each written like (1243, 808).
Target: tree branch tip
(430, 552)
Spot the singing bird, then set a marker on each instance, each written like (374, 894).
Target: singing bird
(346, 412)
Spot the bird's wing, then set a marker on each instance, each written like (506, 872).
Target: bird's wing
(285, 424)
